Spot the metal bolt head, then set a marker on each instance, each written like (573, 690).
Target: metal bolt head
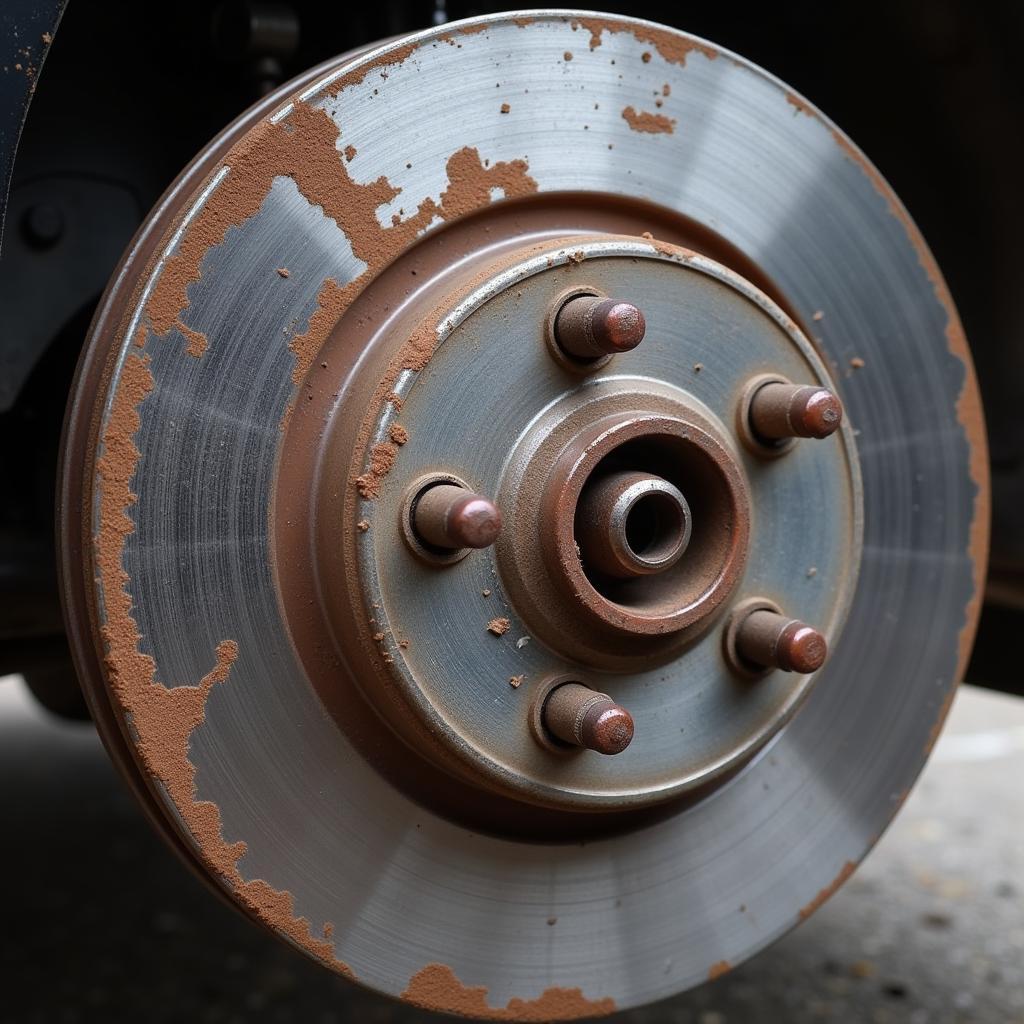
(448, 516)
(589, 327)
(779, 411)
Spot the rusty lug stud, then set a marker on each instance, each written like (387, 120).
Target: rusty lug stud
(632, 524)
(582, 717)
(779, 411)
(452, 517)
(589, 327)
(771, 640)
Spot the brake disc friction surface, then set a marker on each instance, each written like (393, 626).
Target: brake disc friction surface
(219, 343)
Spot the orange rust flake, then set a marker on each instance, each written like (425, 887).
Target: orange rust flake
(284, 271)
(567, 56)
(717, 970)
(830, 890)
(196, 340)
(642, 121)
(332, 300)
(386, 60)
(398, 434)
(506, 108)
(164, 718)
(436, 987)
(499, 627)
(382, 458)
(799, 104)
(350, 153)
(671, 47)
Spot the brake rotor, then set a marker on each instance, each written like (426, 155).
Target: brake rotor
(362, 328)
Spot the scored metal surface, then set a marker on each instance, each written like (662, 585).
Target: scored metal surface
(636, 917)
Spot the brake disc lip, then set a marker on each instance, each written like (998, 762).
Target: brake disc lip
(901, 245)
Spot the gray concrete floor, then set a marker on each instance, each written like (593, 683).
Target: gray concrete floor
(102, 923)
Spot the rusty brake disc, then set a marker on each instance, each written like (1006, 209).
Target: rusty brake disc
(522, 551)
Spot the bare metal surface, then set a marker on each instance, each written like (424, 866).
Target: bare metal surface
(639, 917)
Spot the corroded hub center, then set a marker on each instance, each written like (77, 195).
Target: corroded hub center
(614, 522)
(631, 524)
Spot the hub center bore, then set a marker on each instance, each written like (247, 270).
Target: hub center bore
(632, 524)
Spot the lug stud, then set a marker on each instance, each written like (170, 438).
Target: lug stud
(779, 411)
(582, 717)
(770, 640)
(451, 517)
(589, 327)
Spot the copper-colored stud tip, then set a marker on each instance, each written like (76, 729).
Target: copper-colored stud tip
(589, 327)
(772, 641)
(448, 516)
(582, 717)
(778, 411)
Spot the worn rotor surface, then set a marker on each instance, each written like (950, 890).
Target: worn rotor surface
(349, 298)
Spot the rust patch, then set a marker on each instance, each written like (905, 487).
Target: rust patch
(284, 271)
(164, 718)
(499, 627)
(654, 124)
(382, 459)
(506, 108)
(398, 434)
(830, 890)
(671, 47)
(358, 74)
(717, 970)
(196, 342)
(436, 987)
(800, 105)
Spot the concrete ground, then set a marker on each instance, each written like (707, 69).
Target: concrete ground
(103, 924)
